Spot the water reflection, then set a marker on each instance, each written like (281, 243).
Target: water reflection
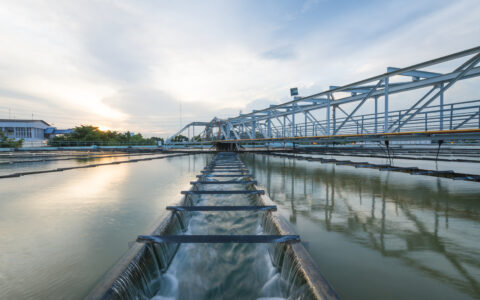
(430, 225)
(16, 166)
(60, 232)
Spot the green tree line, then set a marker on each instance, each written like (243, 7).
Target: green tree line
(88, 135)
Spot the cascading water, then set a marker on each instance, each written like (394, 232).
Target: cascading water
(141, 279)
(219, 270)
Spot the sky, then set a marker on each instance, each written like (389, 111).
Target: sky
(151, 66)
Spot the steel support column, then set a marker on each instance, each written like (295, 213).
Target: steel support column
(334, 115)
(376, 115)
(254, 130)
(293, 120)
(328, 114)
(441, 107)
(305, 123)
(385, 126)
(269, 129)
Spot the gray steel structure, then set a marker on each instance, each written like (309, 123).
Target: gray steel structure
(424, 120)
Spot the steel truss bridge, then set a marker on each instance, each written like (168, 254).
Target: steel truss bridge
(333, 116)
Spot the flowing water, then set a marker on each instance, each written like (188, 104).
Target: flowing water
(380, 235)
(220, 271)
(214, 271)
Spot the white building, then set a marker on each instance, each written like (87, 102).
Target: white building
(29, 130)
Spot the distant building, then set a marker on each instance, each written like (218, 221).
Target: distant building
(29, 130)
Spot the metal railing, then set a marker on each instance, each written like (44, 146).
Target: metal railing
(327, 113)
(460, 115)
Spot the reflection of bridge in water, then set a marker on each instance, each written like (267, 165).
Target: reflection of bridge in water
(362, 111)
(384, 214)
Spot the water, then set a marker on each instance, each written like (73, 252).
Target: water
(381, 235)
(214, 271)
(459, 167)
(29, 165)
(60, 232)
(220, 271)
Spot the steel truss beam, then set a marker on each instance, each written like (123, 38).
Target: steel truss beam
(267, 123)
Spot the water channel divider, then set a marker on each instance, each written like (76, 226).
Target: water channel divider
(385, 167)
(89, 166)
(78, 157)
(419, 156)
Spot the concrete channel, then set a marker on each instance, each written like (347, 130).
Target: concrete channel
(134, 276)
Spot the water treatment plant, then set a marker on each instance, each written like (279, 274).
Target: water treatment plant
(253, 209)
(257, 150)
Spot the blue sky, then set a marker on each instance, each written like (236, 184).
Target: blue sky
(130, 65)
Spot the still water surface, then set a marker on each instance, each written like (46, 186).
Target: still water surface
(60, 232)
(28, 165)
(380, 235)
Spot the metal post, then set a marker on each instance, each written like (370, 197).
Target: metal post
(362, 123)
(328, 115)
(451, 117)
(254, 130)
(441, 108)
(426, 121)
(305, 123)
(334, 115)
(269, 130)
(385, 128)
(399, 115)
(376, 114)
(293, 119)
(284, 125)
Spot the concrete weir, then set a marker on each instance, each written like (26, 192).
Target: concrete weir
(136, 273)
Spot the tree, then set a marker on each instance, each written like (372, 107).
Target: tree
(157, 140)
(92, 135)
(6, 142)
(180, 138)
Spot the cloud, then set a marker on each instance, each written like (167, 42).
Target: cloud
(131, 65)
(280, 53)
(308, 5)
